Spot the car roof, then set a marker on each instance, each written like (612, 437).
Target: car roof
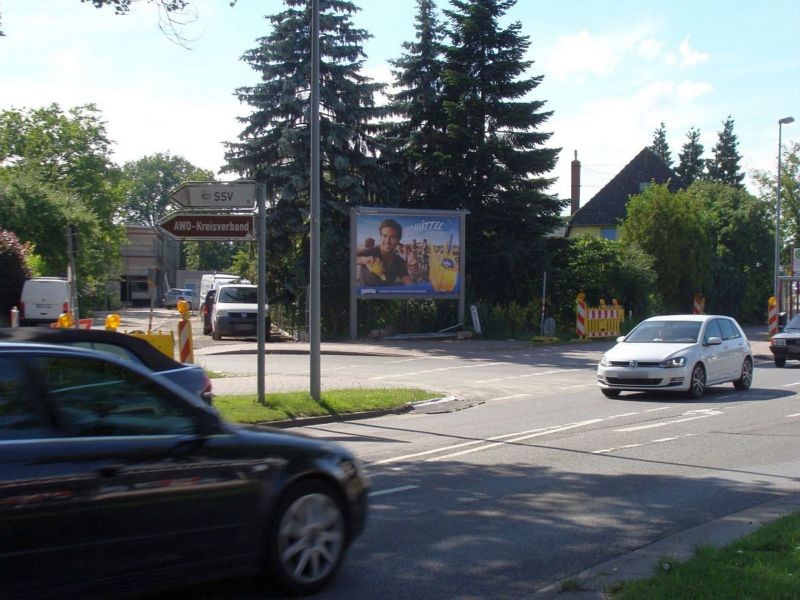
(153, 359)
(688, 317)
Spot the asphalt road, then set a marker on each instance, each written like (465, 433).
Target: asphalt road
(534, 475)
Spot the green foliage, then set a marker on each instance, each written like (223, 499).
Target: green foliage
(724, 165)
(670, 228)
(56, 170)
(739, 233)
(275, 144)
(690, 167)
(660, 147)
(766, 182)
(493, 157)
(209, 256)
(14, 269)
(149, 181)
(606, 269)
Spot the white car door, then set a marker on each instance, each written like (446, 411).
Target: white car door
(715, 359)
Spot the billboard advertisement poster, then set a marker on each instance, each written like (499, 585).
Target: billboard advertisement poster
(407, 253)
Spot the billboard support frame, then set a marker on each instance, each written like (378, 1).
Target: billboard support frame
(357, 211)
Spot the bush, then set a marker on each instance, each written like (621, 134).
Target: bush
(14, 269)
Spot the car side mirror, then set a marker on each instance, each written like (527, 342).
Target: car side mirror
(713, 341)
(621, 338)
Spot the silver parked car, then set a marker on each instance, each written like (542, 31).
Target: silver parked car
(682, 353)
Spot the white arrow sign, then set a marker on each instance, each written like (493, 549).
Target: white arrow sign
(215, 194)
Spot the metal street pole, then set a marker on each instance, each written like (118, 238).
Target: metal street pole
(314, 350)
(776, 290)
(261, 330)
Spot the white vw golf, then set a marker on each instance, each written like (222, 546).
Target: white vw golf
(683, 353)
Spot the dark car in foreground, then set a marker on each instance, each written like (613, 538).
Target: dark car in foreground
(114, 482)
(126, 347)
(785, 345)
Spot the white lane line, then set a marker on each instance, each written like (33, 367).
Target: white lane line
(577, 387)
(514, 440)
(527, 375)
(387, 461)
(411, 374)
(794, 415)
(622, 415)
(791, 384)
(706, 414)
(402, 488)
(657, 409)
(658, 441)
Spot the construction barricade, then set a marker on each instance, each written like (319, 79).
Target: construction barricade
(163, 341)
(185, 349)
(699, 305)
(772, 318)
(598, 321)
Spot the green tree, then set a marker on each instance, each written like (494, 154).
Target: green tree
(148, 182)
(418, 103)
(669, 227)
(493, 159)
(660, 147)
(56, 169)
(766, 183)
(739, 231)
(210, 255)
(275, 144)
(690, 166)
(15, 271)
(607, 269)
(724, 165)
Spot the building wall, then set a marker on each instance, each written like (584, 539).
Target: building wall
(149, 264)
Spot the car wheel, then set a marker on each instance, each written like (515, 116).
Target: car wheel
(306, 538)
(610, 393)
(697, 384)
(206, 331)
(268, 329)
(215, 335)
(746, 380)
(780, 362)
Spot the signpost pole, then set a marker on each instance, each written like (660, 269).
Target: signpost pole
(261, 331)
(314, 350)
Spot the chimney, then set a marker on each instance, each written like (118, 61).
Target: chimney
(576, 184)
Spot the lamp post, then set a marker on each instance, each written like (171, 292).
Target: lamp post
(781, 123)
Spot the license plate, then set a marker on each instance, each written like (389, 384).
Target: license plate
(243, 327)
(43, 305)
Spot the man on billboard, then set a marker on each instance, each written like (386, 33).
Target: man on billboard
(382, 265)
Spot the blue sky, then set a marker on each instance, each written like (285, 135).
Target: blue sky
(613, 71)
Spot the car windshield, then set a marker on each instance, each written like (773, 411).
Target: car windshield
(793, 324)
(237, 294)
(667, 332)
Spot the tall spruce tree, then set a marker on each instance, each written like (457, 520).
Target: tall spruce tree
(421, 121)
(660, 147)
(724, 166)
(494, 157)
(275, 142)
(690, 166)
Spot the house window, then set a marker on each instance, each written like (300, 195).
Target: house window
(608, 233)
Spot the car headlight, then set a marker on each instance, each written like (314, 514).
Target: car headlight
(604, 362)
(674, 362)
(778, 341)
(222, 314)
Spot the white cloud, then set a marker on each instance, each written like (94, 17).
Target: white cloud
(689, 90)
(581, 53)
(649, 48)
(690, 57)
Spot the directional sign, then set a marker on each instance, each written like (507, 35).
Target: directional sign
(199, 226)
(216, 194)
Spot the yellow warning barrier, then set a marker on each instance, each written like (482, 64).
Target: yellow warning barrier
(161, 341)
(602, 320)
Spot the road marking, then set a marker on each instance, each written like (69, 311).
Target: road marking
(526, 375)
(411, 374)
(791, 384)
(402, 488)
(576, 387)
(705, 414)
(794, 415)
(514, 440)
(658, 441)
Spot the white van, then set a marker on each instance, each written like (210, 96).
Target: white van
(211, 281)
(43, 300)
(235, 312)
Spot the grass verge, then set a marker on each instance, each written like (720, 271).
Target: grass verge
(291, 405)
(764, 564)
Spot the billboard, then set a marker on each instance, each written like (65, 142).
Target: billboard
(402, 253)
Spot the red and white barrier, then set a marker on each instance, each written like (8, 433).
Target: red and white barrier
(772, 318)
(580, 323)
(185, 349)
(699, 305)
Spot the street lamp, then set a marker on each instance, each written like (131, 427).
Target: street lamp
(781, 123)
